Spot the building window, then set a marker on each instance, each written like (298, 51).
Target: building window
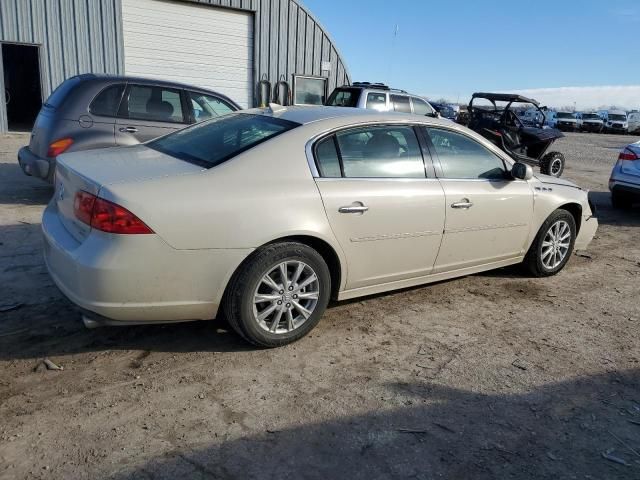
(309, 90)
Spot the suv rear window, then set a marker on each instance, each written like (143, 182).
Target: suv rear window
(57, 98)
(213, 142)
(344, 97)
(107, 102)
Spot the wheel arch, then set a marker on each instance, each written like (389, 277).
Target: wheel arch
(575, 209)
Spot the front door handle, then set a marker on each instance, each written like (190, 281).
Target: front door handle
(465, 203)
(357, 207)
(128, 129)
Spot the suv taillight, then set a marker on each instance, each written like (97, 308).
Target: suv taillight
(59, 146)
(627, 154)
(107, 216)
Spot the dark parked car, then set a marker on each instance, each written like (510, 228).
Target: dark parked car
(96, 111)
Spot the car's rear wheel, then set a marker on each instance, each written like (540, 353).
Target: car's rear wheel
(553, 245)
(278, 295)
(552, 164)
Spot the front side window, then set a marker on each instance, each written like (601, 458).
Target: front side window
(420, 107)
(463, 158)
(309, 91)
(157, 104)
(372, 152)
(401, 103)
(206, 107)
(210, 143)
(107, 102)
(377, 101)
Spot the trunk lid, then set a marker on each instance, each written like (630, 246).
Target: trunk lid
(91, 170)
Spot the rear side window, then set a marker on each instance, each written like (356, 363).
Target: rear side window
(157, 104)
(107, 102)
(57, 98)
(463, 158)
(371, 152)
(401, 103)
(208, 106)
(210, 143)
(377, 101)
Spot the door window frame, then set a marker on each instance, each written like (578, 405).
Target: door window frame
(123, 111)
(424, 147)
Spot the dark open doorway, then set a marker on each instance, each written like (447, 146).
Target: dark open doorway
(23, 95)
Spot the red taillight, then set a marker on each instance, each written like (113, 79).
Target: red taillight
(627, 154)
(59, 146)
(107, 216)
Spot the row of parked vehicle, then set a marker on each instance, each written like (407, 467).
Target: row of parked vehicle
(602, 121)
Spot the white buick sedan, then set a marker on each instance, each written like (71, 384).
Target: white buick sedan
(264, 216)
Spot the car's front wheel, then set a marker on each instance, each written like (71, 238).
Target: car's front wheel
(553, 245)
(278, 295)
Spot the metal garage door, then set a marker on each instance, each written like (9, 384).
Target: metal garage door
(199, 45)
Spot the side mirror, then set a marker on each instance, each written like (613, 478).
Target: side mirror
(522, 171)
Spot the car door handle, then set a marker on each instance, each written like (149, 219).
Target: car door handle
(354, 209)
(462, 204)
(128, 129)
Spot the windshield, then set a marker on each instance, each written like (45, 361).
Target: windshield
(564, 115)
(344, 97)
(617, 117)
(590, 116)
(210, 143)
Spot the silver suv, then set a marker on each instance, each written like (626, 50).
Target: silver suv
(96, 111)
(377, 96)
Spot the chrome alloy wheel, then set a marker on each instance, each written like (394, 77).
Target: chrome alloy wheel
(286, 297)
(555, 245)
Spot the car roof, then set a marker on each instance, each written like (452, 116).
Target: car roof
(109, 78)
(504, 97)
(305, 115)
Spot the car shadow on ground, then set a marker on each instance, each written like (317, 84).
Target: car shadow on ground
(18, 189)
(583, 428)
(607, 215)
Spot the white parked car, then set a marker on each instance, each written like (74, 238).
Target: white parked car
(265, 215)
(565, 121)
(624, 182)
(615, 121)
(589, 122)
(633, 120)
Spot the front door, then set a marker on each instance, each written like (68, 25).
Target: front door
(385, 212)
(488, 214)
(148, 112)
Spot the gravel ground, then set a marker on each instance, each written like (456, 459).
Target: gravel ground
(490, 376)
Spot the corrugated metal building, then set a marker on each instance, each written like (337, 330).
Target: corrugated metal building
(225, 45)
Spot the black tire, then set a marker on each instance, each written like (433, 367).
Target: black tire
(620, 201)
(552, 164)
(238, 302)
(533, 261)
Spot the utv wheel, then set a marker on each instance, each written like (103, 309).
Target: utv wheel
(552, 164)
(278, 295)
(553, 245)
(620, 201)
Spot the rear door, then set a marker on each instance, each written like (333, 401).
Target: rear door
(385, 211)
(149, 111)
(488, 214)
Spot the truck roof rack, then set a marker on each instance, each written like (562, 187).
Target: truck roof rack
(381, 86)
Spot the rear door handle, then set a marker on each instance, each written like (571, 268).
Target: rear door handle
(128, 129)
(361, 208)
(465, 203)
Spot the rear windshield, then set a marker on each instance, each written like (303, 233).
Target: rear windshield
(344, 97)
(210, 143)
(57, 98)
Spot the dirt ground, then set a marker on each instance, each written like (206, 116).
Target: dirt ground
(490, 376)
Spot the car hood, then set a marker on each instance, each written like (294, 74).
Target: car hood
(109, 166)
(549, 180)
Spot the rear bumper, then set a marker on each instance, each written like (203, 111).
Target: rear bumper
(33, 165)
(627, 189)
(135, 279)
